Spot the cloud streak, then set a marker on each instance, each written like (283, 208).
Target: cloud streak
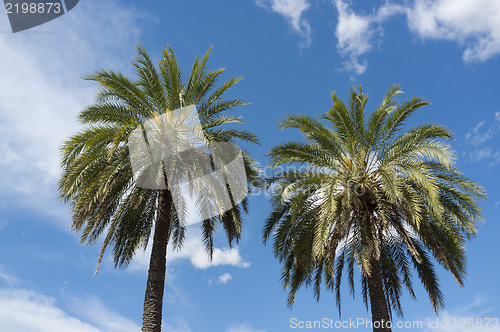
(481, 138)
(293, 12)
(24, 310)
(6, 278)
(244, 327)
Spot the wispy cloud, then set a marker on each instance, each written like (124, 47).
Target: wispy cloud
(92, 310)
(481, 137)
(485, 154)
(482, 133)
(24, 310)
(6, 277)
(293, 12)
(41, 91)
(244, 327)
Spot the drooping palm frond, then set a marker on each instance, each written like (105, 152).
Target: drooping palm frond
(372, 192)
(97, 175)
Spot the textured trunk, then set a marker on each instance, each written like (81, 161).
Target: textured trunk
(380, 312)
(153, 299)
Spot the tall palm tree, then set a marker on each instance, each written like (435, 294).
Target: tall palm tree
(98, 178)
(369, 193)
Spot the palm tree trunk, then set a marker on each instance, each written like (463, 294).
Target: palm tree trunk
(153, 299)
(380, 312)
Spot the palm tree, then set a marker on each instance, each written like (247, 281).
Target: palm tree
(98, 178)
(374, 194)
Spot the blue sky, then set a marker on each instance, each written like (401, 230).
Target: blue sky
(291, 54)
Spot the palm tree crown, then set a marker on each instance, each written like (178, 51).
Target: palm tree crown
(98, 177)
(374, 194)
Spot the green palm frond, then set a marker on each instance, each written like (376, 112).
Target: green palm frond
(373, 191)
(97, 177)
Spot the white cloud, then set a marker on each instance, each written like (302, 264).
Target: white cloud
(95, 312)
(481, 137)
(194, 251)
(356, 33)
(244, 327)
(224, 278)
(41, 92)
(27, 311)
(484, 153)
(292, 11)
(474, 24)
(482, 133)
(224, 256)
(478, 136)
